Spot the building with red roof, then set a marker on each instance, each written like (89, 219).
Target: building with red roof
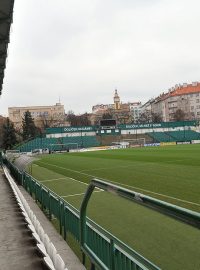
(185, 97)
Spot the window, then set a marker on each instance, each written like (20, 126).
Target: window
(198, 107)
(197, 100)
(192, 108)
(197, 94)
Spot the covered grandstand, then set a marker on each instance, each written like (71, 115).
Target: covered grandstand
(175, 136)
(6, 16)
(68, 138)
(59, 144)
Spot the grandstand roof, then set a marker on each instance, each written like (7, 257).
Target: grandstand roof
(186, 89)
(6, 15)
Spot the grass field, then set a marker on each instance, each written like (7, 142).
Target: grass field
(171, 174)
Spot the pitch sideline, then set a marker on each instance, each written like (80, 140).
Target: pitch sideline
(115, 182)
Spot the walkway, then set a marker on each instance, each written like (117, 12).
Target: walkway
(17, 249)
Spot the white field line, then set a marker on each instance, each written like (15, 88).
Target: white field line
(67, 178)
(146, 190)
(55, 179)
(78, 194)
(126, 166)
(156, 193)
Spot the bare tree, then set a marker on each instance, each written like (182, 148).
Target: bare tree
(156, 118)
(78, 120)
(179, 115)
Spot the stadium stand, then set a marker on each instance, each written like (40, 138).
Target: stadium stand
(184, 135)
(49, 253)
(58, 144)
(6, 15)
(51, 258)
(160, 137)
(174, 136)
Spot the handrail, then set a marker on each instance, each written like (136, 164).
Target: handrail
(143, 262)
(182, 214)
(71, 220)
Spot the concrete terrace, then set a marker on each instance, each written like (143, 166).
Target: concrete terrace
(17, 248)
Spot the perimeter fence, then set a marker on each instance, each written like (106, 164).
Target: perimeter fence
(112, 253)
(103, 249)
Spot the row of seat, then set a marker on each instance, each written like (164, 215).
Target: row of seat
(178, 135)
(46, 248)
(57, 143)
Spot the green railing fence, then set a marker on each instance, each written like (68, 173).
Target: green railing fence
(106, 251)
(182, 214)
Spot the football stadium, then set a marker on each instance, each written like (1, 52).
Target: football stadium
(127, 196)
(115, 194)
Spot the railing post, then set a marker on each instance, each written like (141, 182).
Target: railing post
(112, 254)
(50, 217)
(92, 266)
(83, 214)
(0, 158)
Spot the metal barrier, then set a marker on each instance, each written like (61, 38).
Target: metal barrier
(1, 158)
(103, 249)
(99, 241)
(174, 211)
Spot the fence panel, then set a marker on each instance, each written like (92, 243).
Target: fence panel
(71, 223)
(99, 244)
(106, 248)
(55, 206)
(38, 192)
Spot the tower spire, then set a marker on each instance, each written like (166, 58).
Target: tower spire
(116, 100)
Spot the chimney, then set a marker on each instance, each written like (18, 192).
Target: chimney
(194, 83)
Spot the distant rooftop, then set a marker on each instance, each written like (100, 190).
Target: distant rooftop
(186, 89)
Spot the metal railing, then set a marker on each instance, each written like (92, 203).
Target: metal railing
(104, 250)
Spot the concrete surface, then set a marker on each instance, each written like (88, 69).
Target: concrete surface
(17, 249)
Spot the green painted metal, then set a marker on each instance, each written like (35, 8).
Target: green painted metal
(104, 249)
(160, 125)
(112, 255)
(85, 129)
(89, 242)
(70, 129)
(1, 158)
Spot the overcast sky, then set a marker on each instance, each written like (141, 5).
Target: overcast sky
(81, 51)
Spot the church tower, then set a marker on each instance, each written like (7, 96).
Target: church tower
(116, 100)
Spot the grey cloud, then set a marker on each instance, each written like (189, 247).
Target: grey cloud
(83, 50)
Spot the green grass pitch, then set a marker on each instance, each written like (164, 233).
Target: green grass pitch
(168, 173)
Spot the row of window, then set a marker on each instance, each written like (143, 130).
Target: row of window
(36, 114)
(197, 107)
(193, 95)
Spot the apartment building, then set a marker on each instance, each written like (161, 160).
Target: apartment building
(185, 97)
(41, 114)
(135, 110)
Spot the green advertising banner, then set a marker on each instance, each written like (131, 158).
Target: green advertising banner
(74, 129)
(159, 125)
(70, 129)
